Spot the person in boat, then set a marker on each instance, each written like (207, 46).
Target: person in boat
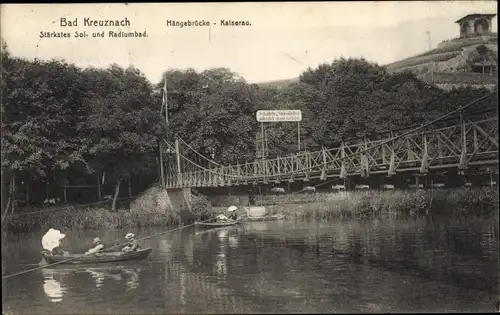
(251, 198)
(232, 215)
(222, 218)
(59, 251)
(51, 242)
(98, 247)
(133, 244)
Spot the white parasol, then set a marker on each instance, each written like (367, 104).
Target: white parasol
(52, 239)
(232, 208)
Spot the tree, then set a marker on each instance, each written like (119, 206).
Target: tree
(122, 126)
(213, 112)
(41, 101)
(282, 136)
(352, 98)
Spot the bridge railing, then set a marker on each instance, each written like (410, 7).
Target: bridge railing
(458, 139)
(467, 143)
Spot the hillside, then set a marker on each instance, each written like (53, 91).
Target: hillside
(469, 61)
(451, 64)
(278, 83)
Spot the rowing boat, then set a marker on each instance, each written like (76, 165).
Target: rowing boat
(263, 218)
(97, 258)
(217, 224)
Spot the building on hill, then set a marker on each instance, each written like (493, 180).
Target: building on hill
(468, 60)
(471, 59)
(475, 24)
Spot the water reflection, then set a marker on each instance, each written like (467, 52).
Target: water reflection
(53, 277)
(183, 288)
(189, 249)
(220, 263)
(97, 276)
(52, 287)
(133, 277)
(260, 226)
(222, 234)
(165, 248)
(345, 266)
(233, 241)
(220, 258)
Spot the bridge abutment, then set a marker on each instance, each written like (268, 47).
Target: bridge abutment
(179, 198)
(161, 200)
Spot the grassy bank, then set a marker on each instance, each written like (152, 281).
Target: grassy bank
(481, 201)
(324, 206)
(89, 219)
(148, 210)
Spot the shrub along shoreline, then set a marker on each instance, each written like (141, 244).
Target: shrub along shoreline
(326, 206)
(370, 204)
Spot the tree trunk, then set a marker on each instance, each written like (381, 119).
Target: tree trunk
(7, 206)
(10, 203)
(99, 195)
(65, 196)
(14, 198)
(27, 193)
(6, 210)
(117, 192)
(129, 187)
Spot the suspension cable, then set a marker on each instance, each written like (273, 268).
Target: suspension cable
(195, 151)
(423, 126)
(112, 247)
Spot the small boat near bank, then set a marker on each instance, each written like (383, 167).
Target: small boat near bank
(263, 218)
(217, 224)
(103, 257)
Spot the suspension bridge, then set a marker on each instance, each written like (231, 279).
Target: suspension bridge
(465, 138)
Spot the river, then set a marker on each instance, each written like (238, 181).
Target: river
(381, 265)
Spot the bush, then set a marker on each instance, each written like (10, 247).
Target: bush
(323, 206)
(90, 219)
(157, 214)
(483, 201)
(297, 198)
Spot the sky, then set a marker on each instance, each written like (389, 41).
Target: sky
(283, 39)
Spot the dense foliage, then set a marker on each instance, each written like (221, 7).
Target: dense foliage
(60, 121)
(352, 98)
(214, 111)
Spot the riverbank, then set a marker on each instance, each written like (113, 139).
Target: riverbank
(148, 212)
(90, 219)
(369, 204)
(323, 206)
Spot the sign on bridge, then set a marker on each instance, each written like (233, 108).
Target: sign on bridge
(278, 115)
